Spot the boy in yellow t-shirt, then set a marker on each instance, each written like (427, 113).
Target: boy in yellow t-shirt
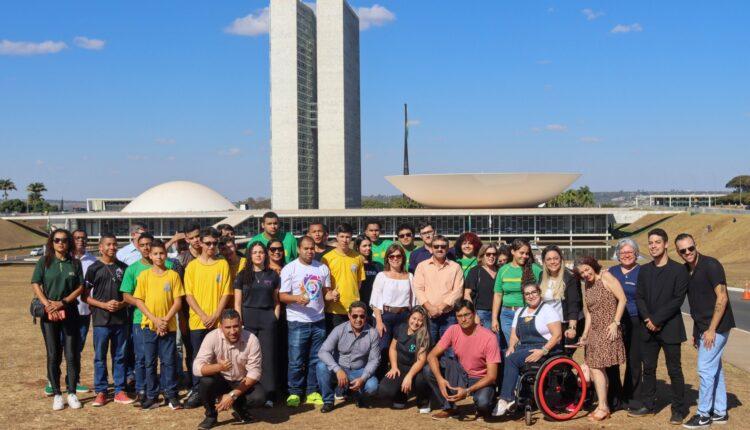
(158, 294)
(347, 273)
(208, 289)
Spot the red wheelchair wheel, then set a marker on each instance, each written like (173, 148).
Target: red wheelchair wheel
(560, 388)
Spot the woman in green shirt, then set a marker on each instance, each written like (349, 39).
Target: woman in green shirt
(508, 297)
(57, 282)
(467, 247)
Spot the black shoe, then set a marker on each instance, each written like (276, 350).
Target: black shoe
(139, 398)
(242, 416)
(363, 404)
(719, 419)
(193, 401)
(207, 423)
(697, 422)
(327, 407)
(150, 404)
(677, 418)
(640, 412)
(174, 403)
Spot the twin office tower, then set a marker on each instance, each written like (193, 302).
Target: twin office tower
(315, 134)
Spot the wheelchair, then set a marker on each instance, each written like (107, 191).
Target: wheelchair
(556, 386)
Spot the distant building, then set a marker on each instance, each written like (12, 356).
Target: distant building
(315, 112)
(678, 200)
(106, 205)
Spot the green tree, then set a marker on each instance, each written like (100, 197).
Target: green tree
(7, 185)
(13, 205)
(740, 184)
(35, 190)
(580, 198)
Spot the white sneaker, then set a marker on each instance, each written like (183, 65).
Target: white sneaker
(500, 408)
(73, 401)
(425, 410)
(268, 404)
(57, 403)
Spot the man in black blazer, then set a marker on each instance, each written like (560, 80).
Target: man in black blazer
(661, 290)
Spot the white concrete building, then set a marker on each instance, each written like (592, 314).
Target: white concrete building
(294, 147)
(339, 161)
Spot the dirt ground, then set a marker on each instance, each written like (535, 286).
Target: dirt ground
(23, 375)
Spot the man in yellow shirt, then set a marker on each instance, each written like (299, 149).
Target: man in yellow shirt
(158, 294)
(347, 273)
(207, 292)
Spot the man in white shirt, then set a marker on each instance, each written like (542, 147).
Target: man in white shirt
(129, 253)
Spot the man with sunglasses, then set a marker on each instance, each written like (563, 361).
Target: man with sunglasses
(438, 283)
(712, 321)
(405, 235)
(207, 291)
(661, 289)
(349, 357)
(271, 230)
(473, 369)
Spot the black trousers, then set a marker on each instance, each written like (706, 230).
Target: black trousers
(67, 330)
(390, 389)
(263, 324)
(672, 355)
(211, 388)
(625, 393)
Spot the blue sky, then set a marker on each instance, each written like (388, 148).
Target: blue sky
(109, 98)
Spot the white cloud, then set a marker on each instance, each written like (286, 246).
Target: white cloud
(590, 139)
(374, 16)
(9, 47)
(590, 14)
(253, 24)
(556, 127)
(627, 28)
(165, 141)
(230, 152)
(413, 122)
(91, 44)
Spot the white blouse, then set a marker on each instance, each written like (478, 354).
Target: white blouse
(396, 293)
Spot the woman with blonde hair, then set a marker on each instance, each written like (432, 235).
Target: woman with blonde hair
(561, 290)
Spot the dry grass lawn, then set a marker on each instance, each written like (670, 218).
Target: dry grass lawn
(14, 236)
(22, 376)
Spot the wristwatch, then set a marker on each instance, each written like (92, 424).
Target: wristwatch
(617, 322)
(545, 351)
(233, 395)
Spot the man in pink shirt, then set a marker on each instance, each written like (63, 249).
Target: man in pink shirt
(438, 283)
(229, 365)
(472, 372)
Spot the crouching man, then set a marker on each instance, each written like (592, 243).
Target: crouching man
(229, 366)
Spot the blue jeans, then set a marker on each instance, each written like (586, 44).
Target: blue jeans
(391, 321)
(139, 364)
(506, 321)
(163, 348)
(112, 339)
(327, 381)
(512, 370)
(456, 376)
(440, 324)
(196, 339)
(712, 395)
(485, 320)
(305, 340)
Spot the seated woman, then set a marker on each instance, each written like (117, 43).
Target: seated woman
(536, 330)
(407, 355)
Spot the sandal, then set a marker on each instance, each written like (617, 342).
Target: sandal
(599, 415)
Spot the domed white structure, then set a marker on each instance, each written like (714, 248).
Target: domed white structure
(483, 190)
(179, 196)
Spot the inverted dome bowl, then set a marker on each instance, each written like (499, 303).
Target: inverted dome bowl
(483, 190)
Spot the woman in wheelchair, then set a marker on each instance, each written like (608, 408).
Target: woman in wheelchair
(535, 331)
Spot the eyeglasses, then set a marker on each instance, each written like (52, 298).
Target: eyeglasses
(404, 235)
(357, 316)
(395, 256)
(60, 240)
(79, 237)
(439, 246)
(211, 243)
(464, 315)
(275, 249)
(684, 251)
(627, 253)
(531, 293)
(490, 254)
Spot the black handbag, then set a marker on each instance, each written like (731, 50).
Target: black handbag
(36, 309)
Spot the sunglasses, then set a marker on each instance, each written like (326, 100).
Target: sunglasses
(684, 251)
(275, 249)
(490, 254)
(404, 235)
(59, 240)
(357, 316)
(395, 256)
(439, 246)
(211, 243)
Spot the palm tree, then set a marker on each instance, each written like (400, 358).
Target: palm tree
(7, 185)
(35, 190)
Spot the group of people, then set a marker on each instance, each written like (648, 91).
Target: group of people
(300, 320)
